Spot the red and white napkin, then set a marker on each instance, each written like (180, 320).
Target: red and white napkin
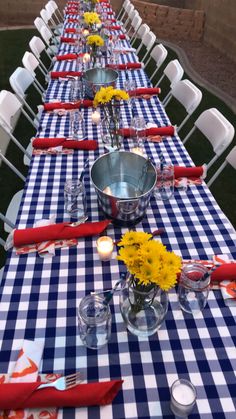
(153, 134)
(68, 40)
(64, 74)
(145, 92)
(128, 66)
(64, 143)
(68, 56)
(54, 232)
(193, 175)
(25, 371)
(51, 106)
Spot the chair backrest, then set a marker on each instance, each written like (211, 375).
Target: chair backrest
(144, 28)
(189, 95)
(30, 62)
(20, 80)
(230, 159)
(45, 16)
(159, 54)
(9, 106)
(129, 6)
(39, 23)
(136, 22)
(37, 46)
(174, 72)
(149, 39)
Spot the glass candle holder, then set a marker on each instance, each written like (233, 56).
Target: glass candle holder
(183, 397)
(105, 248)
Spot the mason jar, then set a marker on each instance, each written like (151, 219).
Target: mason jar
(94, 319)
(193, 288)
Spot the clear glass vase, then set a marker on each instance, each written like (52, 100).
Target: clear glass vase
(143, 308)
(111, 125)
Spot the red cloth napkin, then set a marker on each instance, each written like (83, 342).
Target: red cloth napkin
(162, 131)
(128, 66)
(66, 57)
(226, 271)
(109, 13)
(72, 20)
(59, 231)
(70, 30)
(64, 105)
(113, 28)
(189, 172)
(122, 36)
(57, 74)
(69, 40)
(145, 91)
(44, 143)
(23, 395)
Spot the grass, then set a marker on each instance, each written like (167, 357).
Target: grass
(13, 44)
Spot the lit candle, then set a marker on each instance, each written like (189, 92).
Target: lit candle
(137, 150)
(85, 32)
(183, 397)
(105, 248)
(86, 58)
(96, 117)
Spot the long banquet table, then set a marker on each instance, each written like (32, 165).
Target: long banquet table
(40, 296)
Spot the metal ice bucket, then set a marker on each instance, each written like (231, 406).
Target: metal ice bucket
(98, 77)
(124, 182)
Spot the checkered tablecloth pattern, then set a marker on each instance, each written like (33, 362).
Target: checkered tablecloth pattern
(40, 297)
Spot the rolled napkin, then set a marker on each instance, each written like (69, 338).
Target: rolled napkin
(69, 56)
(68, 40)
(226, 271)
(161, 131)
(66, 105)
(44, 143)
(70, 30)
(113, 27)
(57, 74)
(59, 231)
(195, 172)
(128, 66)
(26, 395)
(142, 91)
(72, 20)
(122, 37)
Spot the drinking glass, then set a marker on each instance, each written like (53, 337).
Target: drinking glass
(77, 128)
(138, 125)
(165, 182)
(130, 85)
(94, 318)
(183, 398)
(75, 199)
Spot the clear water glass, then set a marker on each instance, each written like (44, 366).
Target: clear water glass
(138, 124)
(77, 126)
(193, 288)
(75, 199)
(165, 182)
(94, 321)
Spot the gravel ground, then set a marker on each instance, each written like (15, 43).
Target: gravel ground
(212, 65)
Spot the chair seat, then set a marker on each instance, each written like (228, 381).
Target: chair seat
(13, 209)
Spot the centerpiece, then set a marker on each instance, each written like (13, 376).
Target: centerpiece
(92, 19)
(109, 98)
(94, 42)
(152, 271)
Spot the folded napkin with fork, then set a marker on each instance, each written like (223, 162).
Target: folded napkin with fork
(150, 132)
(58, 74)
(113, 27)
(26, 395)
(72, 20)
(69, 56)
(44, 143)
(67, 105)
(70, 30)
(128, 66)
(195, 172)
(226, 271)
(145, 91)
(68, 40)
(60, 231)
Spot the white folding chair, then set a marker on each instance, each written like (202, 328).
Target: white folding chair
(136, 23)
(9, 108)
(133, 12)
(216, 129)
(47, 37)
(148, 41)
(122, 9)
(20, 80)
(158, 54)
(13, 207)
(174, 72)
(57, 11)
(9, 223)
(142, 31)
(40, 25)
(188, 95)
(126, 9)
(37, 46)
(31, 63)
(53, 18)
(230, 159)
(133, 20)
(46, 18)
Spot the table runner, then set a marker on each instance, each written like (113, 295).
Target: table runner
(40, 296)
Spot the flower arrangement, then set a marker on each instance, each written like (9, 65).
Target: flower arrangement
(91, 18)
(108, 98)
(94, 41)
(148, 261)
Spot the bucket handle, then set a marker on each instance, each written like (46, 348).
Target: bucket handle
(127, 206)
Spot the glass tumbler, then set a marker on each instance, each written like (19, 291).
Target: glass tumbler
(94, 320)
(75, 199)
(165, 182)
(193, 288)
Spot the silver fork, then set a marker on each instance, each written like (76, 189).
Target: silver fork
(64, 383)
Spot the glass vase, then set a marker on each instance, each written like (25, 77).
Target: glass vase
(143, 308)
(111, 125)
